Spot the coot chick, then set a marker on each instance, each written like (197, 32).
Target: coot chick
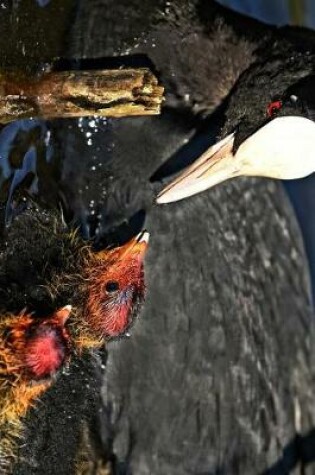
(44, 263)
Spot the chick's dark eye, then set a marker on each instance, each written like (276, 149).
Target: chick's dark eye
(112, 286)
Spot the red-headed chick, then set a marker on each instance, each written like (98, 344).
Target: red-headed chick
(111, 292)
(32, 350)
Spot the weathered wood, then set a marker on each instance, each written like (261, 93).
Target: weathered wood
(106, 93)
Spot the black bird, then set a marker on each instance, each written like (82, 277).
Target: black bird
(216, 375)
(217, 265)
(269, 127)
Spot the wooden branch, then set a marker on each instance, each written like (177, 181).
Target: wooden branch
(106, 93)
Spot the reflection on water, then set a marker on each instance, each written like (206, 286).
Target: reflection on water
(29, 43)
(43, 3)
(22, 145)
(276, 12)
(279, 12)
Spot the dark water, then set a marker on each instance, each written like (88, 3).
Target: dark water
(28, 43)
(33, 152)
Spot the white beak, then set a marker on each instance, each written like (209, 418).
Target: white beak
(284, 148)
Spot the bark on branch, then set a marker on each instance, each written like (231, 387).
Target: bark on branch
(106, 93)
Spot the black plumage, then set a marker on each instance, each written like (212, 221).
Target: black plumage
(284, 67)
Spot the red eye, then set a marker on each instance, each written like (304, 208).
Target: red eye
(273, 107)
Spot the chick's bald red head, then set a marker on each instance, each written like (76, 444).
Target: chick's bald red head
(116, 287)
(37, 348)
(47, 348)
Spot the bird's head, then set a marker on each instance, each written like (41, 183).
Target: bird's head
(37, 348)
(269, 129)
(115, 287)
